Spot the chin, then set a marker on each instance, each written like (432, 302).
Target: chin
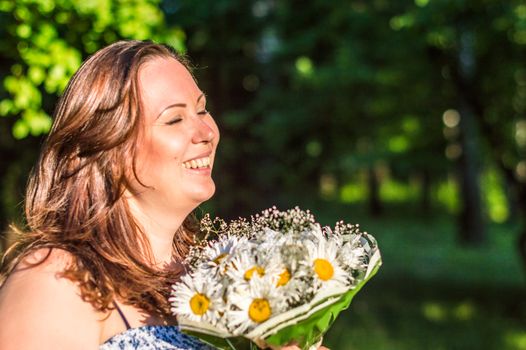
(204, 194)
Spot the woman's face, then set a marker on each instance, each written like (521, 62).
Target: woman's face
(176, 152)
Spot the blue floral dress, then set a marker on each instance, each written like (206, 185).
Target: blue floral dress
(153, 338)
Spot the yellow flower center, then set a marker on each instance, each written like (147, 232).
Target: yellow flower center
(199, 304)
(219, 258)
(250, 272)
(323, 269)
(259, 310)
(284, 278)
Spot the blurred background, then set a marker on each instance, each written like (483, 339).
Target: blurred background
(405, 116)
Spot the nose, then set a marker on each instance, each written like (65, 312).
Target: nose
(204, 133)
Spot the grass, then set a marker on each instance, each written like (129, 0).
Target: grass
(432, 293)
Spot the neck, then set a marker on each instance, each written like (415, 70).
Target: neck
(159, 226)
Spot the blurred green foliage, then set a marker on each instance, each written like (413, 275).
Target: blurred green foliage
(365, 101)
(362, 102)
(45, 41)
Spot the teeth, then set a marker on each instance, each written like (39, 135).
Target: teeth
(197, 163)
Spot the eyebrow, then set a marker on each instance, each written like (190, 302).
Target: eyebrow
(183, 105)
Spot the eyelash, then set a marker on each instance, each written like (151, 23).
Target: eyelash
(178, 118)
(174, 121)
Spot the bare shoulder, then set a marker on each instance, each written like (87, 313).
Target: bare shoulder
(45, 259)
(41, 309)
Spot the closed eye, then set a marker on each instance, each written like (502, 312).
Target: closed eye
(174, 121)
(203, 112)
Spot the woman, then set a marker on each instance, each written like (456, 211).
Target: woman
(109, 207)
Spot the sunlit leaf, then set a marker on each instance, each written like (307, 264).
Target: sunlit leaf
(20, 129)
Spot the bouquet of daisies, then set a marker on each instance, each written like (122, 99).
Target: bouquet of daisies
(276, 278)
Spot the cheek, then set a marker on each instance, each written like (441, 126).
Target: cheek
(160, 153)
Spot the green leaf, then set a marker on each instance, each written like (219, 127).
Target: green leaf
(6, 6)
(37, 121)
(46, 6)
(36, 74)
(11, 84)
(6, 106)
(20, 129)
(175, 37)
(233, 343)
(23, 31)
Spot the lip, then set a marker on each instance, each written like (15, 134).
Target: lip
(202, 155)
(201, 171)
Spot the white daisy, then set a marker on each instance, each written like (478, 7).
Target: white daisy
(218, 253)
(279, 259)
(246, 264)
(324, 263)
(295, 275)
(197, 298)
(352, 256)
(276, 268)
(252, 304)
(268, 240)
(316, 232)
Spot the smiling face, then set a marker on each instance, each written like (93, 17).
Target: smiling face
(176, 150)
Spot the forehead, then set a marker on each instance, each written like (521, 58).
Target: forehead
(165, 81)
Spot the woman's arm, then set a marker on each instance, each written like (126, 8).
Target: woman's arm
(41, 310)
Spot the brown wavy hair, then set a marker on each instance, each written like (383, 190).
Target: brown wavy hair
(74, 198)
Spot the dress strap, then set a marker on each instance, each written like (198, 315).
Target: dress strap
(122, 315)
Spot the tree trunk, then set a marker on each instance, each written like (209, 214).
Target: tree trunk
(510, 189)
(472, 230)
(375, 205)
(471, 223)
(425, 199)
